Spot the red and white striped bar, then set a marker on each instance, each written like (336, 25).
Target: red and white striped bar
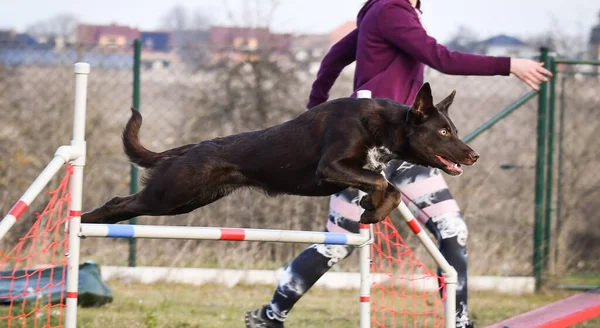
(204, 233)
(450, 274)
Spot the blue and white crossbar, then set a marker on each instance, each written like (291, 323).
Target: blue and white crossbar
(238, 234)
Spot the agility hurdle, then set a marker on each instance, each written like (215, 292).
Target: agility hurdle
(75, 155)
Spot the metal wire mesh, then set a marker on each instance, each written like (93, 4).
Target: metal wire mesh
(188, 95)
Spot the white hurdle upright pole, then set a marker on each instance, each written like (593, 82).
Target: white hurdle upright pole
(365, 258)
(450, 274)
(81, 78)
(365, 277)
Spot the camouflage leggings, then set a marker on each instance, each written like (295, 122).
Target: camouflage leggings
(426, 193)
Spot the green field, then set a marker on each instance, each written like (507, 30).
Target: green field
(179, 306)
(215, 306)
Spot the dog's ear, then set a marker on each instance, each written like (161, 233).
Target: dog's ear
(423, 105)
(443, 105)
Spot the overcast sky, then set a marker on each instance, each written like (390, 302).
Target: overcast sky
(441, 17)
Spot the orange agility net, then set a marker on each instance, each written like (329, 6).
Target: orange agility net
(33, 273)
(404, 293)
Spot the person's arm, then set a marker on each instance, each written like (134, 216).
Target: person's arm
(341, 54)
(399, 24)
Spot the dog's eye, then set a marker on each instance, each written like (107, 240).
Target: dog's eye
(444, 132)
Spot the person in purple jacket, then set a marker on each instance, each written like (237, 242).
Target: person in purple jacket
(391, 49)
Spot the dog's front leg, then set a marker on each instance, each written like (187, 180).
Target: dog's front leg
(390, 201)
(372, 183)
(381, 199)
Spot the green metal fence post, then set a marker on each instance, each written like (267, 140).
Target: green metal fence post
(539, 176)
(549, 167)
(133, 184)
(559, 196)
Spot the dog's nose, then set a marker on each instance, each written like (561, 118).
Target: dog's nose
(474, 155)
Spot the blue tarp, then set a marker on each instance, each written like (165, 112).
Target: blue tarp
(50, 282)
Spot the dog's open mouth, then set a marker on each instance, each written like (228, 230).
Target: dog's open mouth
(450, 167)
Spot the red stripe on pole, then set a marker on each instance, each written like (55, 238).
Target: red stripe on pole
(414, 226)
(363, 226)
(74, 213)
(18, 209)
(232, 234)
(71, 294)
(364, 299)
(574, 318)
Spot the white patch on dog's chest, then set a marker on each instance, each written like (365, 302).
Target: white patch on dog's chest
(378, 158)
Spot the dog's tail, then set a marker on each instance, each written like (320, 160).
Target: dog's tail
(137, 153)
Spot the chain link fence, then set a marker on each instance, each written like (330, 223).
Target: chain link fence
(189, 95)
(576, 183)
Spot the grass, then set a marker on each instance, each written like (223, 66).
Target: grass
(212, 306)
(216, 306)
(582, 279)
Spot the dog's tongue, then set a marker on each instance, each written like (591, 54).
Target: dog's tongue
(450, 165)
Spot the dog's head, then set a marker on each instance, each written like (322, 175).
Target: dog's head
(432, 137)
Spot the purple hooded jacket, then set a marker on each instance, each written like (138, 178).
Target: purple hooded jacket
(391, 49)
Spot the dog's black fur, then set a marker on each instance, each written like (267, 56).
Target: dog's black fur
(339, 144)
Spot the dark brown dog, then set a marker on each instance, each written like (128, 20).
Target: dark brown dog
(339, 144)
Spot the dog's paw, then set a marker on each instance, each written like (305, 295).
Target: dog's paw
(371, 217)
(367, 203)
(85, 217)
(89, 217)
(368, 217)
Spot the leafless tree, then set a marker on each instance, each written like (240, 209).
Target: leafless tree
(175, 19)
(61, 25)
(558, 39)
(464, 39)
(178, 18)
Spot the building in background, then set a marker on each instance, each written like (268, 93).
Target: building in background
(341, 31)
(244, 43)
(506, 46)
(595, 40)
(118, 36)
(10, 38)
(200, 46)
(157, 41)
(199, 39)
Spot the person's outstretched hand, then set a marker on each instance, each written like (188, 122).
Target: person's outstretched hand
(530, 71)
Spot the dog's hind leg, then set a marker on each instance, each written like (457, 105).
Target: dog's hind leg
(115, 210)
(201, 199)
(123, 208)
